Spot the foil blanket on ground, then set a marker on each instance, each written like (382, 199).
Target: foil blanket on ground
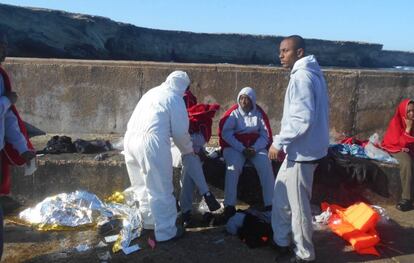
(80, 208)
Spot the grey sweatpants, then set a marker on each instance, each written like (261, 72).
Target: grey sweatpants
(291, 213)
(234, 165)
(192, 174)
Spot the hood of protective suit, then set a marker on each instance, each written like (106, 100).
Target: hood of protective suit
(308, 63)
(251, 94)
(177, 82)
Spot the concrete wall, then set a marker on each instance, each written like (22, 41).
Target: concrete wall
(75, 96)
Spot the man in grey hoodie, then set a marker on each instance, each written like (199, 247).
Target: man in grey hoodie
(304, 136)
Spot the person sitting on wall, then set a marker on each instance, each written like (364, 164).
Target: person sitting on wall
(245, 134)
(200, 116)
(399, 142)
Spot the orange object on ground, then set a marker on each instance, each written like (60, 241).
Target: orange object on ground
(356, 224)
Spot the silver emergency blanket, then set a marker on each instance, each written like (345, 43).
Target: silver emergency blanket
(74, 209)
(81, 208)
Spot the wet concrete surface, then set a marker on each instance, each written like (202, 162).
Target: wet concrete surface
(201, 243)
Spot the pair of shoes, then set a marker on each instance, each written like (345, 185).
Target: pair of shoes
(404, 205)
(211, 201)
(280, 250)
(186, 218)
(296, 259)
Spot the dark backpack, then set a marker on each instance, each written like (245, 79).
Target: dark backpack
(255, 231)
(59, 144)
(93, 146)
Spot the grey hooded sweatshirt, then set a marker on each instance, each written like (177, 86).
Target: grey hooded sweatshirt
(304, 133)
(246, 122)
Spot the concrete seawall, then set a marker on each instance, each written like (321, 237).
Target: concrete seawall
(79, 96)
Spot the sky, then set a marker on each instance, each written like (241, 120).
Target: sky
(387, 22)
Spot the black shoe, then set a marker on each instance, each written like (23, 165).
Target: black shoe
(280, 251)
(209, 219)
(180, 232)
(178, 235)
(186, 217)
(296, 259)
(222, 218)
(211, 202)
(404, 205)
(229, 211)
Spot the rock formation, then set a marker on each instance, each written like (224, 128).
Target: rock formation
(35, 32)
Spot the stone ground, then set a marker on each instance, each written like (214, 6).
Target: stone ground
(200, 244)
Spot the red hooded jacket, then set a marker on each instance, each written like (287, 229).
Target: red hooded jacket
(10, 156)
(395, 137)
(200, 115)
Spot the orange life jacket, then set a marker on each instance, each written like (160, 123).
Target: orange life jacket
(356, 224)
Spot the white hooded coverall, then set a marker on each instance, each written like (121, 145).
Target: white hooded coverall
(158, 116)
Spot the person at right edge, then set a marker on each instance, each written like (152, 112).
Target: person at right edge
(304, 137)
(399, 142)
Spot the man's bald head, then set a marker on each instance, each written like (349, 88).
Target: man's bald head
(298, 42)
(291, 49)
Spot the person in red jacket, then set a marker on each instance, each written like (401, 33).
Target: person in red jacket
(399, 142)
(15, 147)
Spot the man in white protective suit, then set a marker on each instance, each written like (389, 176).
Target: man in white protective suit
(159, 115)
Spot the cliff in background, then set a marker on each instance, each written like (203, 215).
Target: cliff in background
(43, 33)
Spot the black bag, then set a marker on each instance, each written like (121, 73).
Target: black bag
(255, 231)
(93, 146)
(59, 144)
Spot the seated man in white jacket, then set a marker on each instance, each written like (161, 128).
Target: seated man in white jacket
(159, 115)
(245, 134)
